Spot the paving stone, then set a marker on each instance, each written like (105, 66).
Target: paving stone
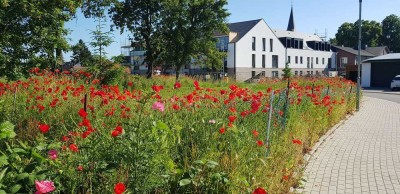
(362, 155)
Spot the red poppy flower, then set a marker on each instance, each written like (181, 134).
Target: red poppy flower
(118, 128)
(119, 188)
(73, 148)
(176, 107)
(196, 84)
(222, 130)
(260, 191)
(232, 118)
(44, 128)
(297, 141)
(255, 133)
(177, 85)
(115, 133)
(157, 88)
(130, 84)
(80, 168)
(82, 113)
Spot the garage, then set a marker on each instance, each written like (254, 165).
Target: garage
(379, 71)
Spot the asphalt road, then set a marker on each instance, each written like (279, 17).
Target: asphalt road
(389, 97)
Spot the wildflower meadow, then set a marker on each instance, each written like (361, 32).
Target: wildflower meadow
(67, 133)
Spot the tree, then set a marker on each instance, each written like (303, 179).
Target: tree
(81, 54)
(189, 27)
(391, 32)
(32, 34)
(143, 19)
(347, 34)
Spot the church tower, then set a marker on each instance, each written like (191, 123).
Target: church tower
(290, 26)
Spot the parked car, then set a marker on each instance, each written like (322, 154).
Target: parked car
(395, 83)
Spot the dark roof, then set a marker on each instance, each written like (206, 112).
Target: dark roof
(377, 51)
(241, 28)
(354, 51)
(388, 57)
(290, 26)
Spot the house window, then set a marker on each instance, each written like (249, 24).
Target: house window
(308, 62)
(264, 44)
(274, 61)
(296, 73)
(301, 60)
(329, 63)
(253, 74)
(263, 61)
(308, 72)
(312, 62)
(316, 60)
(317, 72)
(301, 73)
(288, 59)
(323, 61)
(343, 61)
(312, 72)
(296, 59)
(254, 44)
(271, 45)
(263, 73)
(275, 74)
(253, 60)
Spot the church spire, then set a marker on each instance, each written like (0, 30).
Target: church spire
(290, 26)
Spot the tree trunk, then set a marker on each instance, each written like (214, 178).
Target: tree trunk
(149, 71)
(176, 75)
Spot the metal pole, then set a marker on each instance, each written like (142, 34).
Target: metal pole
(271, 103)
(359, 60)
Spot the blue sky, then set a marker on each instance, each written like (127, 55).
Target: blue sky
(310, 16)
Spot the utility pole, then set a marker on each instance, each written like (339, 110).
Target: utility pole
(359, 60)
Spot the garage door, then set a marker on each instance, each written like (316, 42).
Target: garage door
(382, 73)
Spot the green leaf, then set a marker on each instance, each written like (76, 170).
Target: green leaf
(3, 160)
(2, 192)
(162, 126)
(7, 130)
(15, 188)
(184, 182)
(22, 176)
(37, 156)
(19, 150)
(212, 164)
(2, 173)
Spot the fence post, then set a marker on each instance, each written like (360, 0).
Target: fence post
(312, 90)
(327, 91)
(271, 102)
(85, 103)
(15, 100)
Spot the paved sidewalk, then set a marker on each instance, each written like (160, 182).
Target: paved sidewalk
(361, 156)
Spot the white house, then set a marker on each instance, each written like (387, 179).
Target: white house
(255, 50)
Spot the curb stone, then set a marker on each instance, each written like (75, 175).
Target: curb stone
(321, 140)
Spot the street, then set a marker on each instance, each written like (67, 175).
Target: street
(390, 97)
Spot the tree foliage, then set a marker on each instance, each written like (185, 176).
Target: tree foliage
(189, 28)
(391, 32)
(81, 54)
(347, 35)
(143, 19)
(32, 32)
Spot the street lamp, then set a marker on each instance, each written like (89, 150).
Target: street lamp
(359, 59)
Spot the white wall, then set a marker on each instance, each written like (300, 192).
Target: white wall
(310, 53)
(231, 54)
(244, 48)
(366, 75)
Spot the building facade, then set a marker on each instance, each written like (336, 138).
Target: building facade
(254, 50)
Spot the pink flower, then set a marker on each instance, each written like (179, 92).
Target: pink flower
(212, 121)
(158, 106)
(44, 187)
(52, 154)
